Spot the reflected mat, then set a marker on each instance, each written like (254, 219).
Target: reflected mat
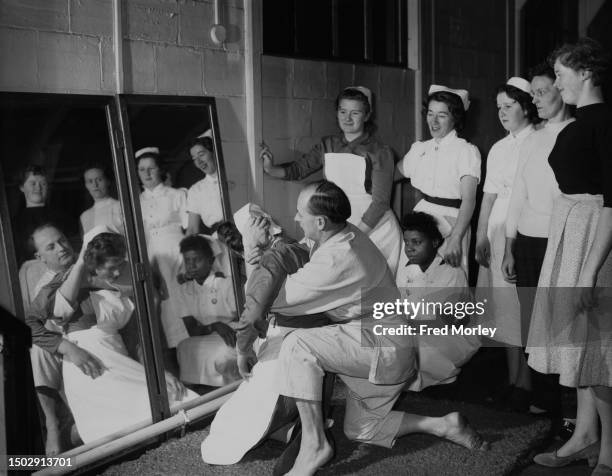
(512, 436)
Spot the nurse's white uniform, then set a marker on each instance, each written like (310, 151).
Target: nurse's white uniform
(204, 199)
(163, 214)
(440, 357)
(104, 212)
(348, 171)
(503, 309)
(436, 169)
(207, 360)
(119, 397)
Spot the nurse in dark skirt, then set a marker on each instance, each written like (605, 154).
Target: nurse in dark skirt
(571, 329)
(528, 221)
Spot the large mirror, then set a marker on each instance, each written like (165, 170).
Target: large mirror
(60, 183)
(118, 261)
(186, 220)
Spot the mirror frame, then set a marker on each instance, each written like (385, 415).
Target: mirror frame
(128, 190)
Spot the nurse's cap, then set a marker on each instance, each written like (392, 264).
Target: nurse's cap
(462, 93)
(363, 90)
(208, 133)
(519, 83)
(146, 150)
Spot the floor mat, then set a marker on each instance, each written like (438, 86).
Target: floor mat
(511, 436)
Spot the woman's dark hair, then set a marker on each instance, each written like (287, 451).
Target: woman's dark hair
(542, 69)
(229, 234)
(524, 99)
(330, 201)
(454, 104)
(205, 142)
(587, 54)
(103, 247)
(355, 95)
(98, 166)
(197, 243)
(423, 223)
(31, 170)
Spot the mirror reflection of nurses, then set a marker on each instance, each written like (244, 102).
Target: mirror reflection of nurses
(164, 216)
(371, 165)
(34, 185)
(204, 197)
(105, 210)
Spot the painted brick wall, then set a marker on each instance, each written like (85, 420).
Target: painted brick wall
(470, 52)
(298, 109)
(65, 46)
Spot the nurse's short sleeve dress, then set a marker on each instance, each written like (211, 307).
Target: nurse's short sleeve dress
(503, 309)
(436, 169)
(164, 215)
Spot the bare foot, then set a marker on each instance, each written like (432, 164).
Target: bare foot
(311, 458)
(460, 432)
(53, 445)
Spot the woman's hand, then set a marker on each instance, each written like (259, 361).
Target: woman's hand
(507, 268)
(267, 158)
(246, 362)
(87, 363)
(226, 332)
(257, 233)
(483, 251)
(453, 251)
(176, 390)
(162, 289)
(268, 163)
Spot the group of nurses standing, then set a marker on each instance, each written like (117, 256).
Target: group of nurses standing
(544, 223)
(446, 170)
(168, 213)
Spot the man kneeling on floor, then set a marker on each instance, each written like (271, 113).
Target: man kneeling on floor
(345, 275)
(375, 368)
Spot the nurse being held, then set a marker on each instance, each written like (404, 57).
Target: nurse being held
(360, 165)
(446, 170)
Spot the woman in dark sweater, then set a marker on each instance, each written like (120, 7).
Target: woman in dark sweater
(571, 332)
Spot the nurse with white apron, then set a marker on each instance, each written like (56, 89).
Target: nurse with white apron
(446, 170)
(360, 165)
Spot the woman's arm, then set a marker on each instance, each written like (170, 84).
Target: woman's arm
(600, 249)
(272, 170)
(306, 165)
(72, 285)
(483, 247)
(193, 226)
(382, 185)
(508, 264)
(453, 252)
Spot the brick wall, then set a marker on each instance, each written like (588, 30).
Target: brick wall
(469, 52)
(298, 109)
(65, 46)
